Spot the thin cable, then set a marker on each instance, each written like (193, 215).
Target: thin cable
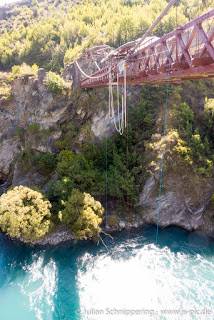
(96, 64)
(103, 243)
(127, 161)
(111, 105)
(88, 76)
(120, 115)
(95, 61)
(120, 120)
(153, 26)
(165, 129)
(125, 96)
(161, 173)
(106, 182)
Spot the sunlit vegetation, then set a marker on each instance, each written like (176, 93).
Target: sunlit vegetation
(24, 70)
(209, 107)
(24, 214)
(5, 91)
(82, 214)
(51, 33)
(5, 86)
(195, 144)
(55, 83)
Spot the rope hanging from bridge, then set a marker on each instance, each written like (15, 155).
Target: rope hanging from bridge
(87, 75)
(165, 128)
(183, 54)
(119, 117)
(161, 172)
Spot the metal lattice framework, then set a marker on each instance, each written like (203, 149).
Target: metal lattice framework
(185, 53)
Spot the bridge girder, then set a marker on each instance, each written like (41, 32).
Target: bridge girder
(183, 54)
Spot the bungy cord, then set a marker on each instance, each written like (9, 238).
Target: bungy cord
(121, 116)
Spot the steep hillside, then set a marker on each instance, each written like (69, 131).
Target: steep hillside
(26, 12)
(51, 33)
(57, 139)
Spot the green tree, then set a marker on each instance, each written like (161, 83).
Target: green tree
(78, 169)
(121, 182)
(83, 215)
(184, 120)
(24, 214)
(55, 83)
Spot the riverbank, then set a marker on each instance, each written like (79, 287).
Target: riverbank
(62, 235)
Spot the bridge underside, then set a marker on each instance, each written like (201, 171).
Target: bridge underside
(184, 54)
(176, 77)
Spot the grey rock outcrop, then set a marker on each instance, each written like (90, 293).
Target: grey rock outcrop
(33, 107)
(33, 118)
(184, 197)
(9, 148)
(59, 236)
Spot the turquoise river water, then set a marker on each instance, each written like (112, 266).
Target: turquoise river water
(134, 279)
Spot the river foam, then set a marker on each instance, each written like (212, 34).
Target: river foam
(134, 279)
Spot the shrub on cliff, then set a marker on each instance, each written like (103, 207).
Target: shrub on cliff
(78, 169)
(55, 83)
(195, 144)
(83, 214)
(184, 120)
(121, 182)
(5, 91)
(45, 162)
(24, 69)
(24, 214)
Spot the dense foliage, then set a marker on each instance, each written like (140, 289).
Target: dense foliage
(55, 83)
(195, 142)
(53, 33)
(24, 69)
(25, 214)
(83, 215)
(115, 166)
(49, 33)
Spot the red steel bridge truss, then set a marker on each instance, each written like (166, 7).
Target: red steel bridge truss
(185, 53)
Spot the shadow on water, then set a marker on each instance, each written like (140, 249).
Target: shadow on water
(66, 299)
(67, 258)
(13, 256)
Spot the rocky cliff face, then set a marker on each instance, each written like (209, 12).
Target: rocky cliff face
(34, 118)
(31, 104)
(183, 199)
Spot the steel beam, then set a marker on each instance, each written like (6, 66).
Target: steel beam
(185, 53)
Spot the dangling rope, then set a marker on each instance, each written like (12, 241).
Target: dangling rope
(87, 75)
(127, 165)
(106, 182)
(161, 173)
(120, 119)
(165, 128)
(95, 61)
